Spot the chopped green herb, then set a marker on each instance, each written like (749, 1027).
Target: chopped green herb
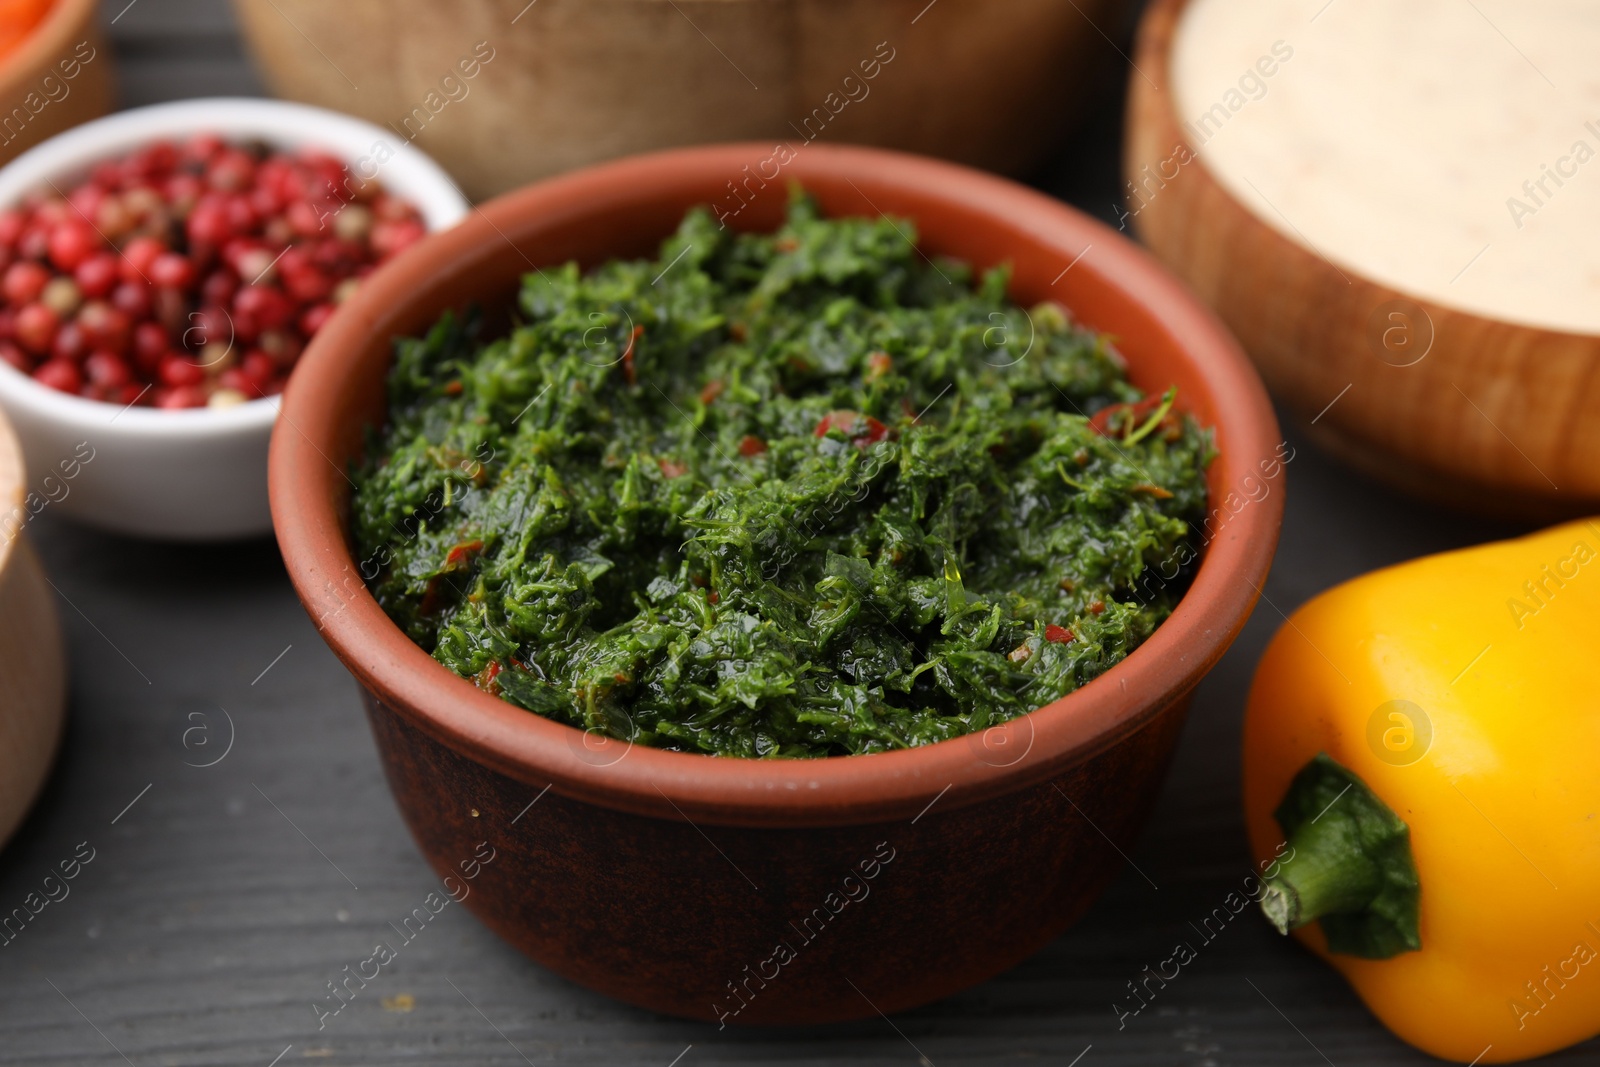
(798, 494)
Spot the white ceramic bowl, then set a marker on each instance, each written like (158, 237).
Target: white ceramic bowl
(198, 474)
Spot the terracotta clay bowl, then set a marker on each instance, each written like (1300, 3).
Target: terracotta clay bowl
(776, 891)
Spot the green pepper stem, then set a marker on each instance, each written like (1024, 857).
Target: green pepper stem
(1350, 868)
(1327, 872)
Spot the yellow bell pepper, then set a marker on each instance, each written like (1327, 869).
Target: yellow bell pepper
(1422, 786)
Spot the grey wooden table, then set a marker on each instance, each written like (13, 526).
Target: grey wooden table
(208, 923)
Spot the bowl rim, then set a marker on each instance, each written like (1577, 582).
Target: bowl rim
(304, 485)
(283, 123)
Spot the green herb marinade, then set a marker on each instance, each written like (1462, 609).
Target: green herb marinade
(799, 494)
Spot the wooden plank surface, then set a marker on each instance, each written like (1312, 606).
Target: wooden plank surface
(220, 899)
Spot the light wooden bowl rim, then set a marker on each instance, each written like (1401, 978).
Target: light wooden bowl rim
(1161, 22)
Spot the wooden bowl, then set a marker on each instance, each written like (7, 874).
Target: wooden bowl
(32, 667)
(59, 76)
(999, 840)
(573, 82)
(1455, 407)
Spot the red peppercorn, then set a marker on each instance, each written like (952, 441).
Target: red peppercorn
(11, 226)
(131, 393)
(51, 212)
(230, 171)
(259, 368)
(183, 191)
(69, 343)
(305, 218)
(104, 326)
(242, 217)
(264, 200)
(219, 287)
(34, 242)
(208, 223)
(132, 299)
(151, 161)
(59, 374)
(10, 353)
(98, 275)
(170, 308)
(137, 257)
(313, 318)
(172, 271)
(36, 328)
(268, 307)
(177, 371)
(86, 199)
(150, 341)
(244, 326)
(71, 243)
(24, 281)
(180, 397)
(107, 370)
(210, 325)
(234, 378)
(389, 238)
(201, 148)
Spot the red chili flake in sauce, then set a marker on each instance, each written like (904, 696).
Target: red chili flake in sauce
(750, 445)
(485, 677)
(1096, 607)
(863, 430)
(671, 468)
(1059, 635)
(879, 364)
(712, 597)
(1126, 416)
(462, 554)
(712, 390)
(628, 371)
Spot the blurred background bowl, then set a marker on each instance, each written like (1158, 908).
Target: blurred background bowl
(33, 666)
(68, 48)
(199, 474)
(991, 83)
(1462, 409)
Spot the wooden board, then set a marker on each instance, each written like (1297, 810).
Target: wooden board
(217, 905)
